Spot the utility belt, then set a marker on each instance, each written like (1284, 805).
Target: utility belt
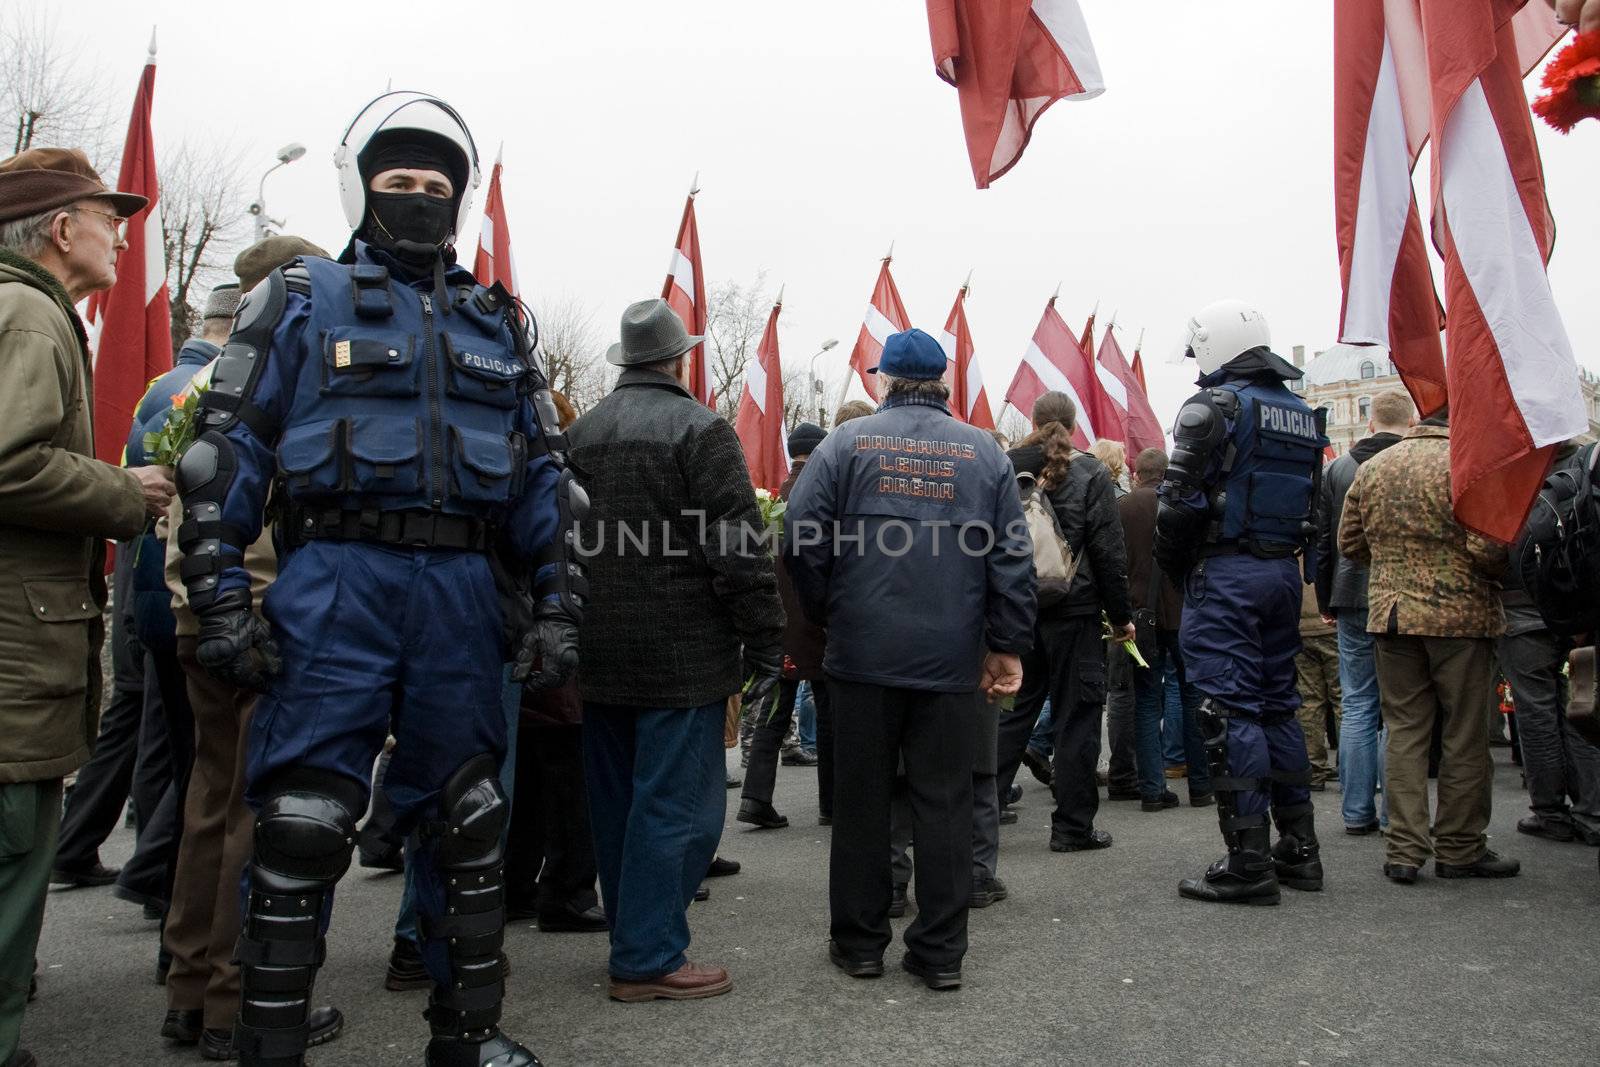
(1251, 547)
(401, 529)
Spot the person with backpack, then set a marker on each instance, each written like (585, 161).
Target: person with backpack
(1082, 570)
(1551, 595)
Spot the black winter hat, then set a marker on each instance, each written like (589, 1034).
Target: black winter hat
(804, 439)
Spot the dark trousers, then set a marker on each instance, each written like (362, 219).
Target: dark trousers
(203, 924)
(98, 798)
(771, 727)
(1123, 775)
(167, 754)
(550, 861)
(1556, 760)
(825, 750)
(936, 736)
(1068, 666)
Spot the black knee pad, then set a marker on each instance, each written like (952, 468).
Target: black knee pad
(475, 811)
(307, 828)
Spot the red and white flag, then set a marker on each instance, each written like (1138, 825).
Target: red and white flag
(760, 419)
(685, 290)
(1010, 60)
(1514, 387)
(1138, 365)
(968, 401)
(1055, 363)
(132, 321)
(1140, 427)
(494, 262)
(885, 315)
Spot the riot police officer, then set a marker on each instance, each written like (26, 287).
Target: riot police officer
(418, 473)
(1235, 512)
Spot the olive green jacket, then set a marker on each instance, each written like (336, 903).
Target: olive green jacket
(57, 506)
(1429, 575)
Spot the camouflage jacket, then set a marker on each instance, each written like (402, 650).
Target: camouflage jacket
(1429, 575)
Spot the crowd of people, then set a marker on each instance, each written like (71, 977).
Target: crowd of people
(396, 602)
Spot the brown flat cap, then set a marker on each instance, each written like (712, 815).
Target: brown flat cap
(43, 179)
(267, 255)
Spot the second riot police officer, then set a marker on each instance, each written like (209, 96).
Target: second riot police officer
(387, 407)
(1235, 512)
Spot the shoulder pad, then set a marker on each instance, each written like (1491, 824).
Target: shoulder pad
(298, 278)
(1225, 401)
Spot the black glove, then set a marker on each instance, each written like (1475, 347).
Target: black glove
(762, 668)
(552, 644)
(235, 646)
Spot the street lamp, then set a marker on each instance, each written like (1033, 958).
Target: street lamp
(286, 155)
(816, 383)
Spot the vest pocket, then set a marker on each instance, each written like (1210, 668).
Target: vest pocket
(384, 455)
(483, 372)
(362, 361)
(482, 465)
(308, 455)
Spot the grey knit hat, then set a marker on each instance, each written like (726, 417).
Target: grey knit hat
(222, 301)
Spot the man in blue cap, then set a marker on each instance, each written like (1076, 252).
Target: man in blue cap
(904, 536)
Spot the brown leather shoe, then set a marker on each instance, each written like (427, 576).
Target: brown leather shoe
(692, 981)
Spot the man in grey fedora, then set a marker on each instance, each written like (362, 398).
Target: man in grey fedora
(683, 610)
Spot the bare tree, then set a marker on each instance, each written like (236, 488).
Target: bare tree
(797, 399)
(47, 96)
(573, 350)
(1014, 425)
(202, 225)
(736, 317)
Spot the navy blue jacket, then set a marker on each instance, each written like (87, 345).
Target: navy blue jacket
(152, 600)
(904, 536)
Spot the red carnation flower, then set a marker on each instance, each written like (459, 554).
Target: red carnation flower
(1573, 79)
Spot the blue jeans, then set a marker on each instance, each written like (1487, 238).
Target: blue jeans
(657, 798)
(805, 710)
(405, 924)
(1149, 710)
(1361, 733)
(1042, 741)
(1174, 747)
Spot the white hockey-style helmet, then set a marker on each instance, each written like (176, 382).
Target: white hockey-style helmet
(402, 110)
(1223, 330)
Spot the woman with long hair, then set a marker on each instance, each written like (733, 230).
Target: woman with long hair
(1067, 665)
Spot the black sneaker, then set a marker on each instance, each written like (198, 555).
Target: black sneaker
(761, 814)
(1548, 827)
(800, 757)
(1364, 829)
(702, 894)
(721, 868)
(986, 892)
(854, 968)
(1038, 765)
(95, 874)
(1014, 795)
(1202, 800)
(1096, 840)
(1401, 873)
(182, 1026)
(1489, 865)
(1167, 799)
(405, 968)
(1008, 816)
(897, 901)
(933, 976)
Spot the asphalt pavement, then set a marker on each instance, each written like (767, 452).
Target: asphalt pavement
(1094, 959)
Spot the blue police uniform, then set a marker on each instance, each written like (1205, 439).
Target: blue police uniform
(394, 418)
(1236, 512)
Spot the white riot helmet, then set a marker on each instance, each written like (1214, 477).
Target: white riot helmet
(1223, 330)
(404, 110)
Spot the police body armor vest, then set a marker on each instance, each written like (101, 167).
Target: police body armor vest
(399, 406)
(1275, 449)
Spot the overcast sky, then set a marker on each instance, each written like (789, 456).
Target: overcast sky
(821, 134)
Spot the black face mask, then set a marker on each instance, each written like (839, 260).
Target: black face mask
(414, 226)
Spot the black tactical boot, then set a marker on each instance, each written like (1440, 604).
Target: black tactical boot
(1244, 876)
(497, 1051)
(1297, 856)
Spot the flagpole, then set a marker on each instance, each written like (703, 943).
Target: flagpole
(889, 256)
(694, 186)
(1054, 296)
(966, 286)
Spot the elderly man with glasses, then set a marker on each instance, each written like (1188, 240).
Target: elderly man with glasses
(61, 231)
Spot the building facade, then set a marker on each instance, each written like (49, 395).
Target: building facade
(1345, 378)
